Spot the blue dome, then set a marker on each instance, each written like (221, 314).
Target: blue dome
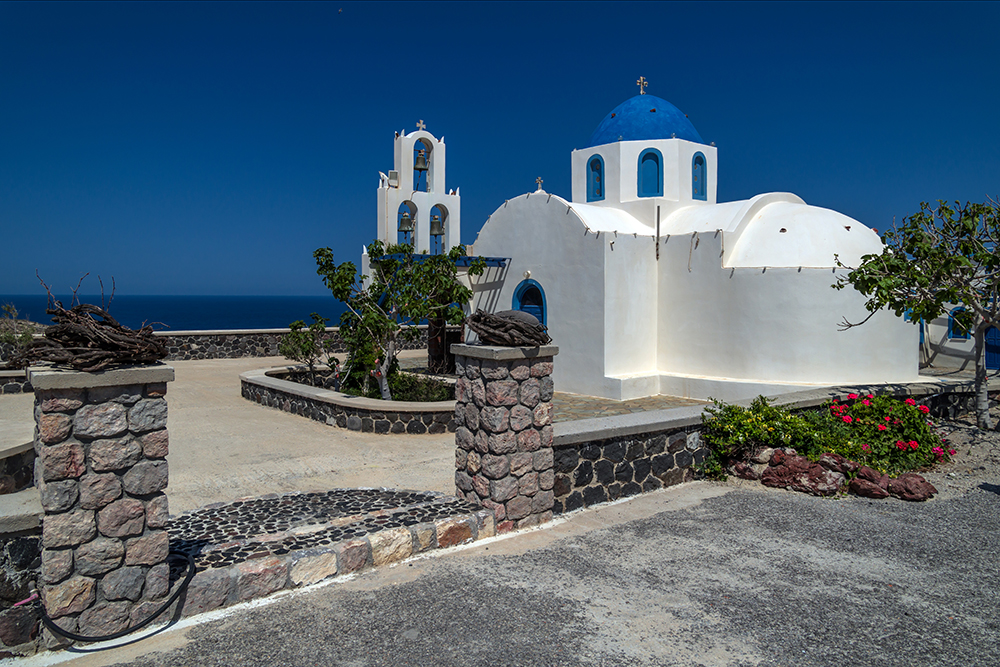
(642, 118)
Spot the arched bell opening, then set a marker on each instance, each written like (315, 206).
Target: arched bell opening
(406, 223)
(439, 218)
(422, 165)
(699, 178)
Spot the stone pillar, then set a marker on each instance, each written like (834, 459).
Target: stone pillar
(503, 442)
(101, 470)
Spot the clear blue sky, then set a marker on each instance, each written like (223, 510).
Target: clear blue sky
(197, 148)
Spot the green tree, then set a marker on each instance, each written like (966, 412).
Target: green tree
(939, 256)
(384, 308)
(306, 345)
(8, 328)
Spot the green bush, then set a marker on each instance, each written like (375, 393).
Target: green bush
(882, 432)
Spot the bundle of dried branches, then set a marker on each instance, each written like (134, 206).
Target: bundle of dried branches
(510, 328)
(87, 338)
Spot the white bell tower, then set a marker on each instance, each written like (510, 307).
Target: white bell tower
(415, 189)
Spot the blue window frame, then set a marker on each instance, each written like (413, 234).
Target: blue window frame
(699, 177)
(650, 172)
(955, 330)
(595, 178)
(530, 298)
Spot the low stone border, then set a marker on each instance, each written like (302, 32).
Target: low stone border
(602, 459)
(265, 564)
(15, 382)
(355, 413)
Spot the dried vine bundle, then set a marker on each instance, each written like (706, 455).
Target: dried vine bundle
(87, 338)
(511, 328)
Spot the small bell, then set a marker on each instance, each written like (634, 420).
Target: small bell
(421, 162)
(437, 227)
(406, 222)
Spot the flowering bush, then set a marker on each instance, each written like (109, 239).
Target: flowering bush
(879, 431)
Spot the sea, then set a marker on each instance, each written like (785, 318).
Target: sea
(191, 313)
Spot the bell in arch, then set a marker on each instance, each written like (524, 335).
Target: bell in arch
(406, 222)
(421, 162)
(437, 227)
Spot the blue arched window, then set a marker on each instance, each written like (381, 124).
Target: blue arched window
(595, 178)
(530, 298)
(650, 173)
(699, 177)
(955, 330)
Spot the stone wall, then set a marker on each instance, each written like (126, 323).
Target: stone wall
(187, 345)
(350, 412)
(101, 443)
(19, 565)
(597, 471)
(14, 382)
(503, 443)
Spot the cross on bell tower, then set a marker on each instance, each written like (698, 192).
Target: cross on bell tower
(420, 124)
(642, 83)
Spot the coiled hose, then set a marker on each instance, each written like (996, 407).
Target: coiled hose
(50, 624)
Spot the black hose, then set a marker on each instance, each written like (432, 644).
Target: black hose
(50, 624)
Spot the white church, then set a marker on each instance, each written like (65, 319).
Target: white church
(649, 286)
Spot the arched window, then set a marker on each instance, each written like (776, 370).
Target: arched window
(699, 178)
(955, 329)
(595, 178)
(530, 298)
(650, 173)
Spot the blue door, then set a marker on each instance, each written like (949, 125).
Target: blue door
(530, 298)
(993, 349)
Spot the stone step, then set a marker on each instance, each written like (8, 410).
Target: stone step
(253, 547)
(20, 511)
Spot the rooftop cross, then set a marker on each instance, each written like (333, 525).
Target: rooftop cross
(420, 124)
(539, 182)
(642, 83)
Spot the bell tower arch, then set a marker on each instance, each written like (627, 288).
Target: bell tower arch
(418, 181)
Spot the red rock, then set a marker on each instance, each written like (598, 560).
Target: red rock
(453, 531)
(150, 549)
(353, 555)
(874, 476)
(70, 597)
(155, 445)
(260, 577)
(65, 461)
(17, 624)
(866, 488)
(122, 518)
(911, 486)
(54, 428)
(745, 471)
(800, 474)
(777, 457)
(835, 462)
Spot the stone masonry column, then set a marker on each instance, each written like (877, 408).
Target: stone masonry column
(503, 443)
(101, 470)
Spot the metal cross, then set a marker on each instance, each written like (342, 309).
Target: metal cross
(539, 181)
(420, 124)
(642, 83)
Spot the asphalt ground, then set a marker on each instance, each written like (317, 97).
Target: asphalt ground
(700, 574)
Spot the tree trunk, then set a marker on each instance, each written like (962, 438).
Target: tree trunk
(383, 370)
(982, 383)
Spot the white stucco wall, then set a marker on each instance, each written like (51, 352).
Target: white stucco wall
(771, 324)
(541, 234)
(940, 351)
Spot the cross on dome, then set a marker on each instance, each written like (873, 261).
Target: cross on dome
(539, 182)
(642, 83)
(420, 124)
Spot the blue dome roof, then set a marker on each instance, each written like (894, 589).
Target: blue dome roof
(644, 117)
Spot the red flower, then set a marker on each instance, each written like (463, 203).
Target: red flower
(870, 396)
(848, 419)
(951, 451)
(882, 427)
(887, 418)
(910, 401)
(852, 396)
(900, 444)
(914, 444)
(923, 408)
(866, 402)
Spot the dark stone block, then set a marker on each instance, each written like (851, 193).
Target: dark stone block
(416, 427)
(593, 495)
(382, 426)
(590, 451)
(672, 477)
(392, 416)
(584, 474)
(354, 423)
(557, 507)
(574, 502)
(437, 427)
(641, 467)
(700, 455)
(443, 417)
(561, 486)
(615, 451)
(452, 426)
(651, 484)
(683, 459)
(676, 442)
(631, 489)
(615, 491)
(657, 445)
(624, 472)
(605, 471)
(342, 421)
(405, 417)
(635, 449)
(566, 459)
